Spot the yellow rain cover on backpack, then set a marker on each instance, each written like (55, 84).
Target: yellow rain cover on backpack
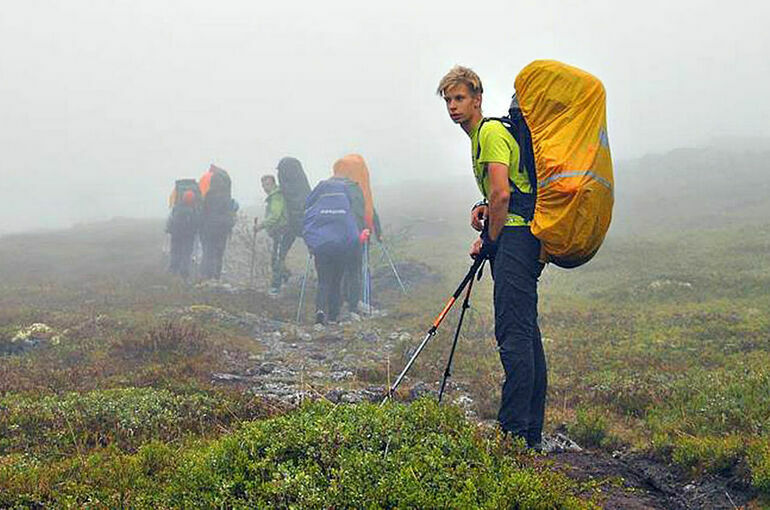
(564, 108)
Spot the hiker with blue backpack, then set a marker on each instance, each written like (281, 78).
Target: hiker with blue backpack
(333, 232)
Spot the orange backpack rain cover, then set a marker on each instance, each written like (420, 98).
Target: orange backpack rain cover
(354, 168)
(564, 108)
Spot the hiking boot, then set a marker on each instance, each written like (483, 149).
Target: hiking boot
(536, 447)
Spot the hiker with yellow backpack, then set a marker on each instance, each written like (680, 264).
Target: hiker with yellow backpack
(545, 173)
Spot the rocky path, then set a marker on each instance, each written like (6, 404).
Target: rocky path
(344, 363)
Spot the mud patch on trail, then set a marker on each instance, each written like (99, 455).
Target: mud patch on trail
(643, 482)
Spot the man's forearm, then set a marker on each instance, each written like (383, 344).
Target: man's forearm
(498, 213)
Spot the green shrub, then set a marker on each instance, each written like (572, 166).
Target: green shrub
(164, 342)
(126, 417)
(106, 478)
(320, 456)
(711, 454)
(417, 456)
(759, 464)
(590, 427)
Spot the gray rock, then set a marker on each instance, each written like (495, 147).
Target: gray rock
(463, 401)
(422, 389)
(227, 377)
(559, 442)
(265, 368)
(341, 375)
(352, 398)
(370, 336)
(334, 395)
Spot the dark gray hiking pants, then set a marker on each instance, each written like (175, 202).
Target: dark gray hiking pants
(516, 270)
(213, 243)
(330, 268)
(182, 244)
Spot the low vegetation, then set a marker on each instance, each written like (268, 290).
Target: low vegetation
(320, 456)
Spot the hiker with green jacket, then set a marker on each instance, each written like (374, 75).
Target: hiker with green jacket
(276, 223)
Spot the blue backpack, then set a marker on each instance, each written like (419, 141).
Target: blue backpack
(329, 226)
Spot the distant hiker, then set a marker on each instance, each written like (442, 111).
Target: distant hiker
(295, 188)
(277, 226)
(217, 219)
(331, 233)
(352, 170)
(182, 224)
(513, 252)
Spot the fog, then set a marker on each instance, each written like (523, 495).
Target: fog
(105, 103)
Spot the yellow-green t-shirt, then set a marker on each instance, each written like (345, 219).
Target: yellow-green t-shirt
(498, 146)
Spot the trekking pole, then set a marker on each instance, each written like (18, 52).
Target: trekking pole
(363, 274)
(368, 281)
(436, 323)
(392, 266)
(302, 289)
(364, 286)
(466, 305)
(252, 269)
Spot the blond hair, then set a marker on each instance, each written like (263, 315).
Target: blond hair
(461, 75)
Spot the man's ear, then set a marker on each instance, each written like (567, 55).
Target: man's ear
(477, 101)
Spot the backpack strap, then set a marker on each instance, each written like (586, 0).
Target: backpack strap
(520, 203)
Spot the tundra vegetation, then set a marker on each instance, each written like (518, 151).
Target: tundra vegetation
(658, 346)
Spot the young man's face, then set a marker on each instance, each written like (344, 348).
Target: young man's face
(268, 185)
(460, 104)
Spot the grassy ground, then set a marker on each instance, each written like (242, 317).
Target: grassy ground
(659, 345)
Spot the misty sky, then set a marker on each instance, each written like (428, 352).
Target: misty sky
(104, 103)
